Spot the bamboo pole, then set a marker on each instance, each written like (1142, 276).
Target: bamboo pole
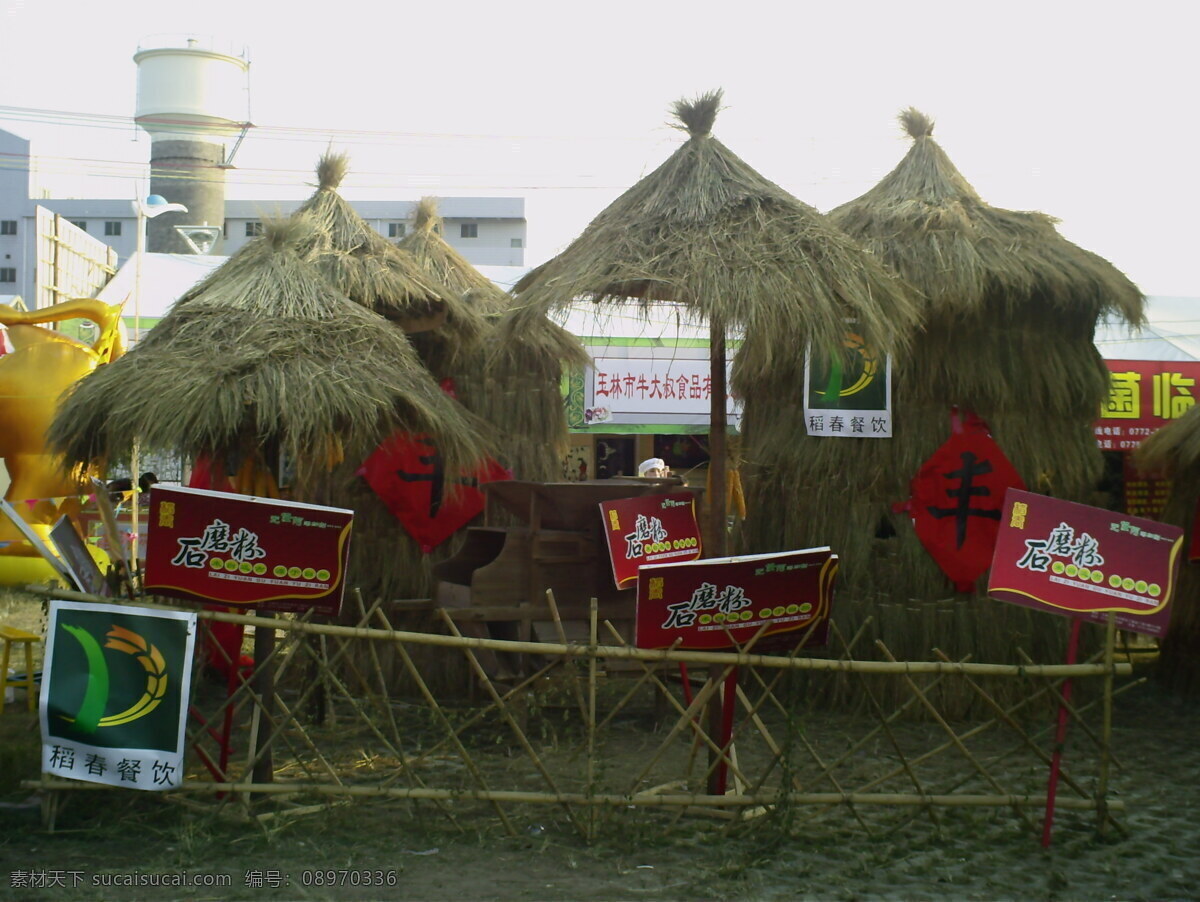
(505, 713)
(954, 737)
(643, 799)
(630, 653)
(562, 640)
(432, 701)
(1006, 718)
(1110, 635)
(403, 769)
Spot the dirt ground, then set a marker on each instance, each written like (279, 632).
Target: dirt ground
(380, 850)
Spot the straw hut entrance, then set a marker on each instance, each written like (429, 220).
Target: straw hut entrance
(1010, 307)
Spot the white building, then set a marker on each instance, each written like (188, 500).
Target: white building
(488, 231)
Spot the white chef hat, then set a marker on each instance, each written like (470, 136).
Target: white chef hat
(653, 463)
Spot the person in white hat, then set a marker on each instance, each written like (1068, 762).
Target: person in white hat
(654, 468)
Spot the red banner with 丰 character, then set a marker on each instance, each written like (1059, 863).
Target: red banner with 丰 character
(956, 501)
(650, 529)
(1075, 559)
(242, 550)
(408, 475)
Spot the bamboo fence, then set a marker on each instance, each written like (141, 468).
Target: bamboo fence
(605, 732)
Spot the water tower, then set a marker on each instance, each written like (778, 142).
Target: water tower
(193, 99)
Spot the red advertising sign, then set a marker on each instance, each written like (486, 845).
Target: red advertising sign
(1143, 396)
(1071, 558)
(241, 550)
(650, 529)
(725, 602)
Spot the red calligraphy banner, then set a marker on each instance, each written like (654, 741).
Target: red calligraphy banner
(726, 602)
(1144, 395)
(956, 499)
(408, 475)
(1075, 559)
(241, 550)
(650, 529)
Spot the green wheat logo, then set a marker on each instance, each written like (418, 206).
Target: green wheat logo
(90, 716)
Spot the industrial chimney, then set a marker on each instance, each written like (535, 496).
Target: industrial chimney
(193, 99)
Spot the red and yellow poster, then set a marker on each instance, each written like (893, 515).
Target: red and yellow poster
(1144, 395)
(1074, 559)
(649, 529)
(241, 550)
(726, 602)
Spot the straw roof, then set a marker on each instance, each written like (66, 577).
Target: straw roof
(439, 260)
(514, 382)
(706, 229)
(1174, 449)
(370, 270)
(264, 350)
(927, 222)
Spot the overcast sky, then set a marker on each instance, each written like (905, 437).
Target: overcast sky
(1084, 110)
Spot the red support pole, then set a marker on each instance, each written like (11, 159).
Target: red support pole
(727, 704)
(1060, 736)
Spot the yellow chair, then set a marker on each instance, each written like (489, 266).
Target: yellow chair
(10, 635)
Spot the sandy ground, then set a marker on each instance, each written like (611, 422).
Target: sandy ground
(982, 854)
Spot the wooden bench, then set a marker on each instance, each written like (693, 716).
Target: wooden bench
(10, 635)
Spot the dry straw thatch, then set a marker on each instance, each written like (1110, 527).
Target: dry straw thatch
(515, 382)
(1010, 309)
(370, 270)
(1174, 452)
(706, 229)
(263, 351)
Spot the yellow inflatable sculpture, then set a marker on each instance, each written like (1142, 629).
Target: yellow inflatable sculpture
(40, 366)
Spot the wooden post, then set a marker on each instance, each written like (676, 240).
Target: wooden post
(716, 517)
(264, 685)
(716, 440)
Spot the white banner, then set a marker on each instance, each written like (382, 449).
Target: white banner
(651, 385)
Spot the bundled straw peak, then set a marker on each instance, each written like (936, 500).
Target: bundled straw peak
(426, 219)
(331, 170)
(696, 116)
(288, 234)
(916, 123)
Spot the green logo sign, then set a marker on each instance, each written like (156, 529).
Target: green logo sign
(114, 679)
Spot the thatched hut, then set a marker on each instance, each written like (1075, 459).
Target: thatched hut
(263, 354)
(1009, 310)
(707, 230)
(515, 383)
(1174, 451)
(443, 327)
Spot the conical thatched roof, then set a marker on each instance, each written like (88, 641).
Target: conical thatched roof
(1002, 289)
(927, 222)
(263, 351)
(447, 266)
(705, 229)
(370, 270)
